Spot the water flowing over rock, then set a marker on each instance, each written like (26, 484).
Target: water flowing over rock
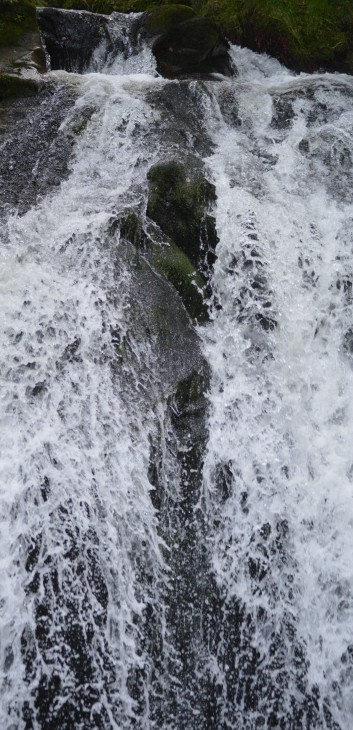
(79, 40)
(176, 412)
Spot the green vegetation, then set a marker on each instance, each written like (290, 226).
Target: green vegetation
(304, 34)
(165, 17)
(16, 17)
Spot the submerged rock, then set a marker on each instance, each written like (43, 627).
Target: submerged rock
(35, 149)
(180, 105)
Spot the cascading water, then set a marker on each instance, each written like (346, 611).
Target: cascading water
(167, 563)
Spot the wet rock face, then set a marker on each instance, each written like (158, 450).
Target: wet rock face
(181, 109)
(179, 202)
(71, 37)
(158, 316)
(182, 43)
(12, 86)
(169, 261)
(35, 151)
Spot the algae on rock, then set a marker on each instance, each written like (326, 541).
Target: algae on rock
(180, 199)
(168, 260)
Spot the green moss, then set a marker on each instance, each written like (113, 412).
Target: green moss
(15, 86)
(105, 7)
(168, 260)
(305, 34)
(164, 18)
(131, 229)
(177, 268)
(16, 18)
(178, 201)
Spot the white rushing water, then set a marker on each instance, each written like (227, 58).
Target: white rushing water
(281, 416)
(74, 457)
(81, 550)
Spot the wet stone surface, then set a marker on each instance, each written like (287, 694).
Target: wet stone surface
(34, 153)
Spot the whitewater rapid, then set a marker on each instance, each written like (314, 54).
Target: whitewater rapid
(86, 560)
(281, 407)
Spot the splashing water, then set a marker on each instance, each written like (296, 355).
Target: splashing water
(278, 461)
(87, 582)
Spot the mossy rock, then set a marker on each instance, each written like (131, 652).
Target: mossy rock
(176, 267)
(179, 201)
(132, 230)
(16, 86)
(16, 18)
(186, 43)
(168, 260)
(164, 18)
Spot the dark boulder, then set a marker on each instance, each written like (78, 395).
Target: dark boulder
(186, 44)
(71, 37)
(193, 47)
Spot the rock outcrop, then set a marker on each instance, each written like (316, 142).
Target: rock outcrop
(185, 44)
(182, 43)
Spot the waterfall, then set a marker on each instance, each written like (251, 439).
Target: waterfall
(278, 474)
(176, 500)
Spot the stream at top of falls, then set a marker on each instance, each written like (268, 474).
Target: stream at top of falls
(91, 566)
